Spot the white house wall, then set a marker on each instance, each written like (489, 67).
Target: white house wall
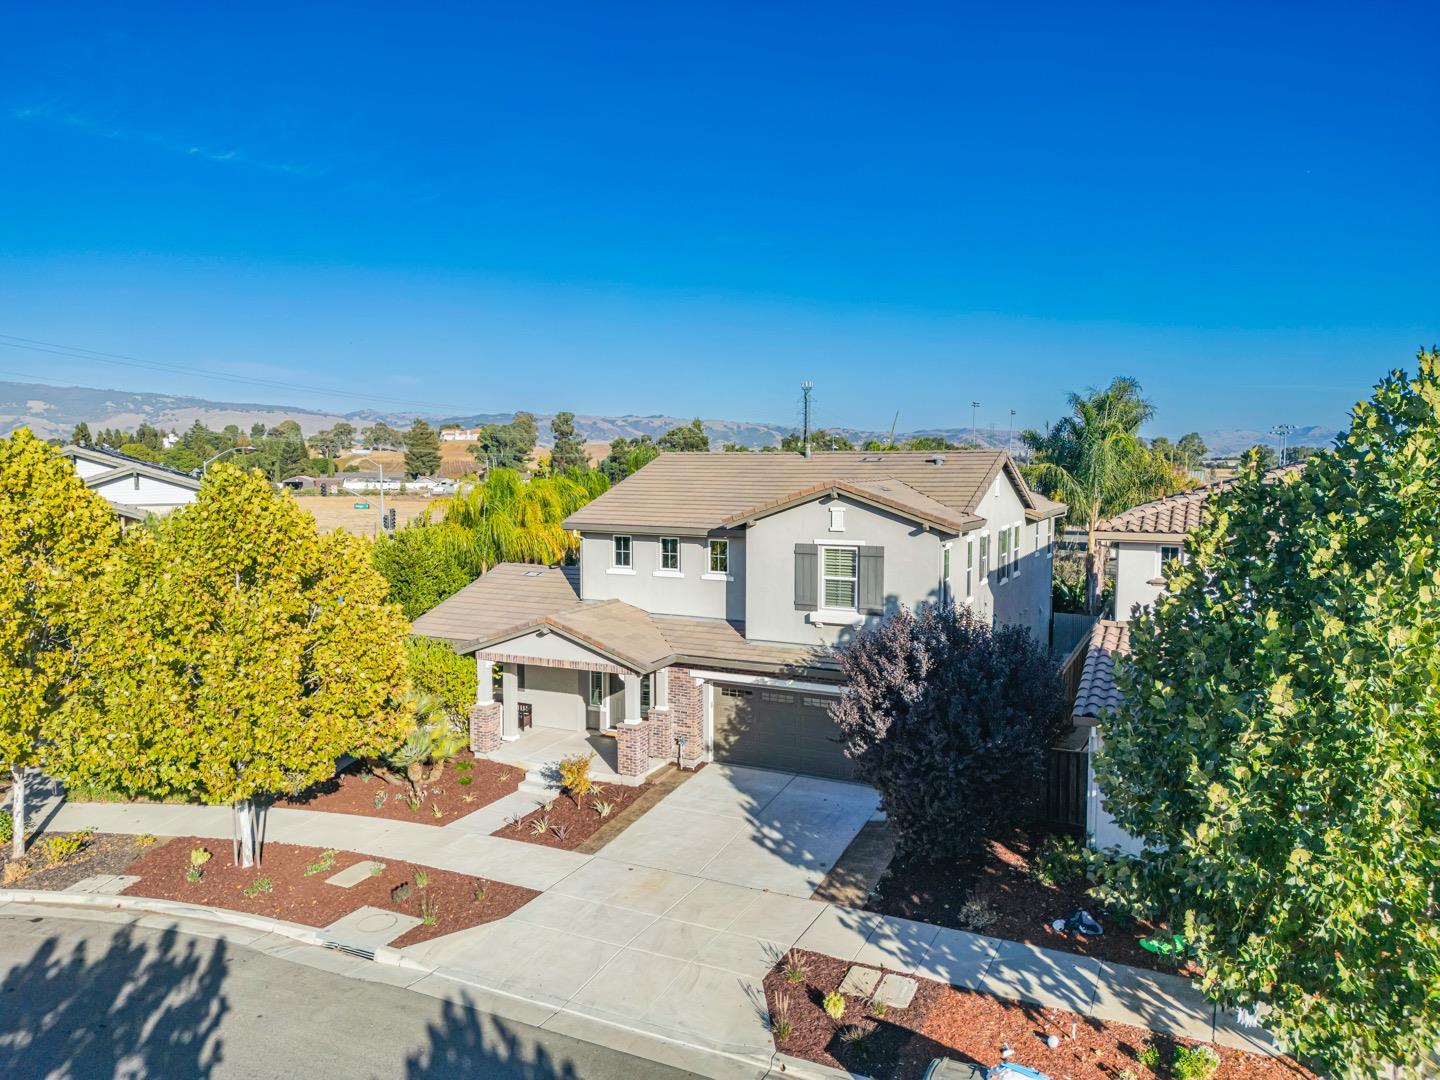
(1025, 599)
(1099, 825)
(146, 492)
(548, 646)
(693, 590)
(1136, 565)
(556, 696)
(87, 469)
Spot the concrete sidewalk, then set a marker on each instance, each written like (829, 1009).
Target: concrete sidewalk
(680, 956)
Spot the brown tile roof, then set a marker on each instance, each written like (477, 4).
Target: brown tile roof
(515, 598)
(1172, 517)
(695, 493)
(1108, 639)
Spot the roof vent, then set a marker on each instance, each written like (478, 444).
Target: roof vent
(938, 459)
(870, 459)
(532, 573)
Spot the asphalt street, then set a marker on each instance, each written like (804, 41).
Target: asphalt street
(80, 999)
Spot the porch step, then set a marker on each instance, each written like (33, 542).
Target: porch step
(536, 783)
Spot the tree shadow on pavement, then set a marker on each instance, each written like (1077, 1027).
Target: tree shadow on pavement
(464, 1042)
(142, 1007)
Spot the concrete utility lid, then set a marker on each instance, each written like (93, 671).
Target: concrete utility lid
(371, 926)
(859, 982)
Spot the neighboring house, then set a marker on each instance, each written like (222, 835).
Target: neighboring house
(712, 588)
(459, 434)
(367, 482)
(1146, 538)
(133, 487)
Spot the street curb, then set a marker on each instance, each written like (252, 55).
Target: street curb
(762, 1065)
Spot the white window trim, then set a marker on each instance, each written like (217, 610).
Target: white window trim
(711, 573)
(667, 573)
(838, 616)
(629, 550)
(1002, 556)
(1016, 531)
(660, 556)
(622, 571)
(713, 576)
(830, 541)
(835, 617)
(970, 566)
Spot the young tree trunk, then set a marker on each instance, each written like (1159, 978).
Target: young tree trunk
(17, 795)
(1094, 574)
(247, 846)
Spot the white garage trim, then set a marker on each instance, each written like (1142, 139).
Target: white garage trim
(765, 680)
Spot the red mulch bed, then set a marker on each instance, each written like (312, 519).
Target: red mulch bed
(356, 790)
(295, 897)
(1023, 905)
(961, 1024)
(570, 825)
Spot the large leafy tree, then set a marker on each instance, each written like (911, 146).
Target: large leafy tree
(628, 456)
(231, 652)
(54, 535)
(506, 446)
(687, 438)
(568, 451)
(950, 720)
(421, 565)
(1095, 461)
(1278, 746)
(422, 449)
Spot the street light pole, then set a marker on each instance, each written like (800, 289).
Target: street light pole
(381, 467)
(974, 410)
(205, 465)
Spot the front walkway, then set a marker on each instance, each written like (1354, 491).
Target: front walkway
(681, 954)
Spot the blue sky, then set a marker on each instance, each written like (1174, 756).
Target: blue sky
(689, 209)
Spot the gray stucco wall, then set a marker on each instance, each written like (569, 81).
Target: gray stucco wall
(912, 567)
(556, 695)
(1136, 565)
(1024, 599)
(694, 592)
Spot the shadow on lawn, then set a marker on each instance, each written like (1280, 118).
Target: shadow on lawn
(144, 1006)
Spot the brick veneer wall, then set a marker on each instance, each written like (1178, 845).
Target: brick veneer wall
(633, 748)
(687, 715)
(485, 727)
(662, 734)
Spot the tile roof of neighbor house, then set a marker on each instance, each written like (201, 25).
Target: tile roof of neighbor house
(515, 598)
(1097, 693)
(1172, 517)
(696, 493)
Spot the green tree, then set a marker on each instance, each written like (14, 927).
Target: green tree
(568, 451)
(439, 671)
(1095, 462)
(735, 448)
(929, 442)
(81, 435)
(421, 566)
(422, 449)
(54, 535)
(229, 653)
(343, 435)
(381, 436)
(506, 446)
(1277, 748)
(687, 438)
(150, 437)
(1192, 448)
(1264, 457)
(794, 443)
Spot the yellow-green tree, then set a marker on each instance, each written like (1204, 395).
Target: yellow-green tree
(230, 653)
(54, 534)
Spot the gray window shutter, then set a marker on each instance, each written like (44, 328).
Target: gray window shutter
(872, 580)
(807, 577)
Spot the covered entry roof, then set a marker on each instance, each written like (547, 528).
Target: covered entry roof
(516, 599)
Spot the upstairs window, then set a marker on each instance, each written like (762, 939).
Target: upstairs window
(622, 551)
(669, 553)
(1169, 554)
(984, 558)
(1002, 555)
(1015, 548)
(840, 569)
(969, 568)
(945, 575)
(719, 556)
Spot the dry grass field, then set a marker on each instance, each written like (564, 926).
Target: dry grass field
(338, 511)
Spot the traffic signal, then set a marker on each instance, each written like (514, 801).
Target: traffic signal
(390, 519)
(324, 489)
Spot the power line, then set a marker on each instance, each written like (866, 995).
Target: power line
(77, 353)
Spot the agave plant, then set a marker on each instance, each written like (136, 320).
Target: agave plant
(432, 741)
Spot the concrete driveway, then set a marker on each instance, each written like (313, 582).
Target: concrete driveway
(750, 827)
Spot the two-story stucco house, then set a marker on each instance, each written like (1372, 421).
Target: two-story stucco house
(1145, 538)
(712, 588)
(134, 488)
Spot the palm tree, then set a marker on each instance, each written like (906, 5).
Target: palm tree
(1095, 462)
(504, 518)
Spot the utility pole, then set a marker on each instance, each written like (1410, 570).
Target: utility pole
(805, 388)
(974, 412)
(1010, 436)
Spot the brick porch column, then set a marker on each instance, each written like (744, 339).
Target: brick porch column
(633, 748)
(662, 734)
(687, 712)
(485, 727)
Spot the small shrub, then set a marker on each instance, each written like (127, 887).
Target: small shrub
(548, 805)
(1061, 860)
(467, 798)
(575, 775)
(199, 856)
(1149, 1056)
(834, 1005)
(429, 911)
(540, 826)
(878, 1008)
(562, 832)
(380, 798)
(7, 826)
(464, 766)
(194, 875)
(604, 808)
(976, 915)
(1194, 1063)
(14, 872)
(479, 894)
(258, 886)
(413, 803)
(464, 781)
(377, 869)
(780, 1023)
(856, 1037)
(422, 879)
(57, 849)
(437, 811)
(324, 863)
(400, 893)
(504, 775)
(794, 969)
(1126, 1074)
(145, 840)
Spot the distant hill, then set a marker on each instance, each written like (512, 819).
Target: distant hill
(53, 411)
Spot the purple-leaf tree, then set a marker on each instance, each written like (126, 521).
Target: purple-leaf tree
(950, 720)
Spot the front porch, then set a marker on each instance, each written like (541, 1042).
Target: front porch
(539, 750)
